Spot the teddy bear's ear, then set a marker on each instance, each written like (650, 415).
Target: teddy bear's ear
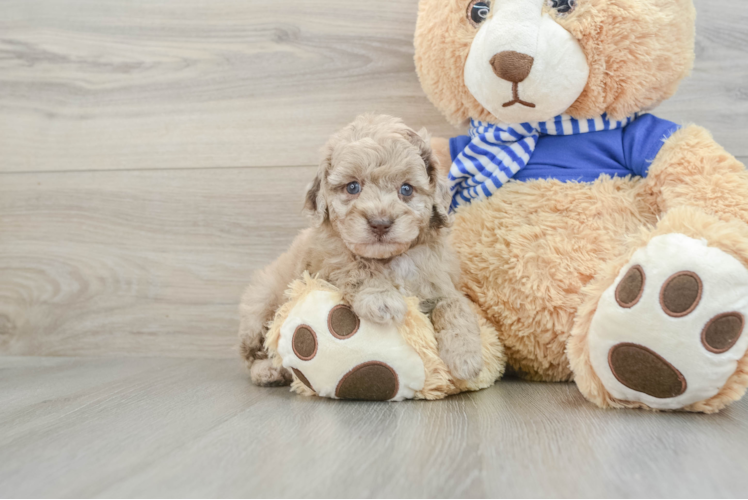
(315, 205)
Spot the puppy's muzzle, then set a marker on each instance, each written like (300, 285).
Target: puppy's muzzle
(380, 227)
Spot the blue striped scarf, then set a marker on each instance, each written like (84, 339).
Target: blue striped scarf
(497, 152)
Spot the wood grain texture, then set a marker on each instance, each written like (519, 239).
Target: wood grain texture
(137, 262)
(137, 196)
(106, 84)
(715, 96)
(197, 428)
(152, 260)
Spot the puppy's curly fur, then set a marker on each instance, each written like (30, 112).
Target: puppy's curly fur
(380, 229)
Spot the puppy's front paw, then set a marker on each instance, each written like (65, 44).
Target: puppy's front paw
(250, 343)
(381, 307)
(461, 354)
(264, 374)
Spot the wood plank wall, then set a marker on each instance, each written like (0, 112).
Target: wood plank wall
(154, 153)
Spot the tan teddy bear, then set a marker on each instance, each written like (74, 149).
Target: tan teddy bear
(607, 246)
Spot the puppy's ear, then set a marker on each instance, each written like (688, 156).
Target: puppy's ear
(315, 205)
(422, 140)
(440, 216)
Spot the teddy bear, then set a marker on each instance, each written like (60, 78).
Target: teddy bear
(605, 245)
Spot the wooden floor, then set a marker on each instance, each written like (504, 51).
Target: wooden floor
(75, 427)
(153, 153)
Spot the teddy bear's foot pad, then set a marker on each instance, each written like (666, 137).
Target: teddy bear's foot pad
(670, 331)
(337, 355)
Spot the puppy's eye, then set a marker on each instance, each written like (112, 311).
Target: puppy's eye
(563, 6)
(353, 188)
(478, 11)
(406, 190)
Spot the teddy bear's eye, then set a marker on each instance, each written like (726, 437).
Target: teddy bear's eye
(478, 11)
(563, 6)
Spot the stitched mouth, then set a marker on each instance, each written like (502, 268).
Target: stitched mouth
(516, 99)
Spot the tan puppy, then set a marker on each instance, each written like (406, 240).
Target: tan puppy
(380, 228)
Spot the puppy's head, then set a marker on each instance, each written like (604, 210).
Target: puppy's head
(378, 188)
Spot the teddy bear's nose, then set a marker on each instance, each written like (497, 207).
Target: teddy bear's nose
(512, 66)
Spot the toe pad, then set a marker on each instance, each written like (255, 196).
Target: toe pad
(643, 370)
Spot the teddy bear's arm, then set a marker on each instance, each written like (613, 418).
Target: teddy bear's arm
(692, 169)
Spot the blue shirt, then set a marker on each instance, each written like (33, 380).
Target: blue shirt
(585, 157)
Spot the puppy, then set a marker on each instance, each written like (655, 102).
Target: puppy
(379, 212)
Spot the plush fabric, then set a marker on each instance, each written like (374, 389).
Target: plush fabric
(370, 361)
(720, 286)
(548, 256)
(638, 51)
(533, 55)
(529, 250)
(731, 237)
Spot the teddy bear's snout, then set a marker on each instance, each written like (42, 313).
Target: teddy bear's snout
(512, 66)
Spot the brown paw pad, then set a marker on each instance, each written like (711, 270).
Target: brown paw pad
(631, 288)
(372, 381)
(303, 378)
(643, 370)
(722, 332)
(681, 293)
(304, 342)
(342, 322)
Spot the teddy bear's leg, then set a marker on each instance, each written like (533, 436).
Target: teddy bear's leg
(662, 327)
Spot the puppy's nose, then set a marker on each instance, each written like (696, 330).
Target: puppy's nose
(512, 66)
(380, 226)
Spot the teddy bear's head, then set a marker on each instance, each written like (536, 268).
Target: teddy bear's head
(515, 61)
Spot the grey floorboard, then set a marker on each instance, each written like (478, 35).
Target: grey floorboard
(152, 154)
(171, 428)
